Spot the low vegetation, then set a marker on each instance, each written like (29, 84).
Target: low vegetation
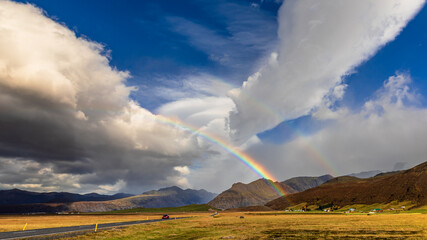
(187, 208)
(17, 222)
(287, 226)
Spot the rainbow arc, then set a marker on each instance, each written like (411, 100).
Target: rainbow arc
(240, 155)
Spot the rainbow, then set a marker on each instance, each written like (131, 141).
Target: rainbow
(311, 149)
(316, 153)
(243, 157)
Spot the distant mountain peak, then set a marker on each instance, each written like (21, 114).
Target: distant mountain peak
(365, 174)
(303, 183)
(174, 188)
(260, 191)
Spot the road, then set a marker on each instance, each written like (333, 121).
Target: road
(59, 230)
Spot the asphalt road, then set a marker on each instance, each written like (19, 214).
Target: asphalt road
(85, 228)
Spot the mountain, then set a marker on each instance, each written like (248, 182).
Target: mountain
(366, 174)
(165, 197)
(17, 196)
(260, 192)
(176, 197)
(303, 183)
(408, 185)
(255, 193)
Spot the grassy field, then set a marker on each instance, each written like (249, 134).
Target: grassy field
(287, 226)
(17, 222)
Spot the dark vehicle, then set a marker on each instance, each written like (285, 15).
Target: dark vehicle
(165, 216)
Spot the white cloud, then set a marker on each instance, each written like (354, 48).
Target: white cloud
(388, 130)
(193, 86)
(181, 180)
(205, 105)
(33, 176)
(198, 112)
(319, 43)
(184, 170)
(61, 104)
(106, 189)
(218, 171)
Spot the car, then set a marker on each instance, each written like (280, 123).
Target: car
(165, 216)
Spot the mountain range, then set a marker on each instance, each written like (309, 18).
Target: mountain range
(399, 186)
(260, 192)
(17, 196)
(165, 197)
(402, 186)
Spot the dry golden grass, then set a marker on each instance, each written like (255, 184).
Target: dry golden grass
(288, 226)
(17, 222)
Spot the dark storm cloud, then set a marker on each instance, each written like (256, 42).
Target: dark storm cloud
(66, 118)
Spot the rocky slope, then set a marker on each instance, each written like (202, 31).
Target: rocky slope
(255, 193)
(260, 192)
(303, 183)
(408, 185)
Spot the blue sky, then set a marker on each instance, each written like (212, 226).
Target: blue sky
(162, 39)
(157, 40)
(407, 53)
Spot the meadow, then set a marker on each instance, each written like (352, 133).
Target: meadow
(235, 225)
(17, 222)
(231, 225)
(281, 226)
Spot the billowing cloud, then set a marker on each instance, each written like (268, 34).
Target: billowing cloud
(201, 104)
(388, 131)
(63, 106)
(67, 121)
(319, 43)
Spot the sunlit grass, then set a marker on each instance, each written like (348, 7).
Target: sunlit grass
(230, 225)
(17, 222)
(289, 226)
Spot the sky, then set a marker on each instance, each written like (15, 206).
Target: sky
(132, 96)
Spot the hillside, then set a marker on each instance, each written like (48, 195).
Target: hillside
(409, 185)
(303, 183)
(186, 208)
(166, 197)
(259, 192)
(243, 195)
(366, 174)
(17, 196)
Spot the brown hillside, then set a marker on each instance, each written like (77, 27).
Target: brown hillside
(303, 183)
(165, 197)
(409, 185)
(255, 193)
